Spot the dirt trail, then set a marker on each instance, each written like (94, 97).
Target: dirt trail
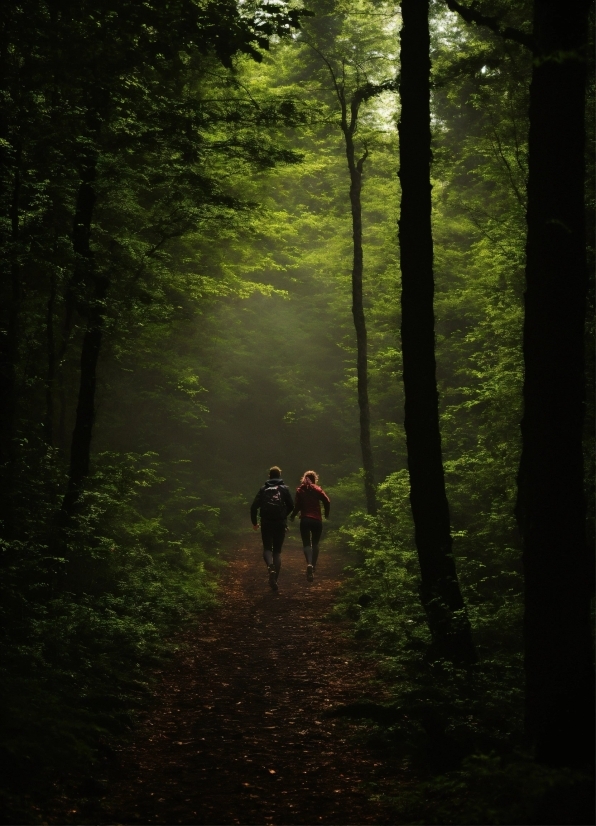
(238, 732)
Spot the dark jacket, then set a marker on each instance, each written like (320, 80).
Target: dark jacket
(308, 501)
(285, 492)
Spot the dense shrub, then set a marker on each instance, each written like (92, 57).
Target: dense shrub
(87, 612)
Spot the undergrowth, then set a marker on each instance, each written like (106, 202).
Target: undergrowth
(455, 734)
(86, 612)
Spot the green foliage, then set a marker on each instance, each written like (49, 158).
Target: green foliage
(222, 223)
(143, 102)
(382, 599)
(440, 714)
(489, 790)
(81, 630)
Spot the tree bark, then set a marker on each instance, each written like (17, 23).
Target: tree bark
(80, 449)
(349, 124)
(355, 168)
(51, 379)
(8, 360)
(60, 379)
(440, 592)
(92, 311)
(550, 507)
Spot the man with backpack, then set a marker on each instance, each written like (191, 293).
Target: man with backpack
(274, 500)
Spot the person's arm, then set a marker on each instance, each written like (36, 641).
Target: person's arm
(296, 509)
(326, 502)
(254, 508)
(288, 500)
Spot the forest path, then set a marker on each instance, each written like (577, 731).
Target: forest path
(238, 732)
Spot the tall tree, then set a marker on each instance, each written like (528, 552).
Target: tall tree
(350, 108)
(440, 592)
(355, 168)
(551, 508)
(14, 107)
(356, 73)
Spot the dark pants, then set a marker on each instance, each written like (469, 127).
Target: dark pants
(273, 535)
(311, 527)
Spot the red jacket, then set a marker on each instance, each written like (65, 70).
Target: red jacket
(308, 502)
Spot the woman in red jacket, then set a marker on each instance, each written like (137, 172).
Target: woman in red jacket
(308, 503)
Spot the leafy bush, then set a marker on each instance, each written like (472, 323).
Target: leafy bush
(489, 790)
(455, 734)
(86, 612)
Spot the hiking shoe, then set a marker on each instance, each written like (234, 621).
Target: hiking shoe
(309, 572)
(272, 578)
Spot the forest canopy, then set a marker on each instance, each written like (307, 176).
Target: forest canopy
(204, 266)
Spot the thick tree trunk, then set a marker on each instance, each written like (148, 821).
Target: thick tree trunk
(551, 507)
(8, 361)
(440, 592)
(67, 326)
(355, 168)
(61, 434)
(50, 383)
(92, 311)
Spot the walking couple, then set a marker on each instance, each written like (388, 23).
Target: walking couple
(275, 503)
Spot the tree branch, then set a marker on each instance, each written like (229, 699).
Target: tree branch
(471, 15)
(366, 92)
(339, 88)
(360, 162)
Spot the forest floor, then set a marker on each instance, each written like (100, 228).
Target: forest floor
(237, 731)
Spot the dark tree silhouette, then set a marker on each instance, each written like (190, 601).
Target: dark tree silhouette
(440, 592)
(11, 294)
(91, 311)
(551, 507)
(551, 511)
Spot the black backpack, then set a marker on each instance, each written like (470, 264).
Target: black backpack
(273, 507)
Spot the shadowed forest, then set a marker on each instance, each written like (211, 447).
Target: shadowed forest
(348, 235)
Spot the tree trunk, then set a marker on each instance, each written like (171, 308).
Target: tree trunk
(440, 592)
(8, 361)
(551, 507)
(80, 448)
(50, 383)
(92, 311)
(349, 123)
(60, 378)
(355, 168)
